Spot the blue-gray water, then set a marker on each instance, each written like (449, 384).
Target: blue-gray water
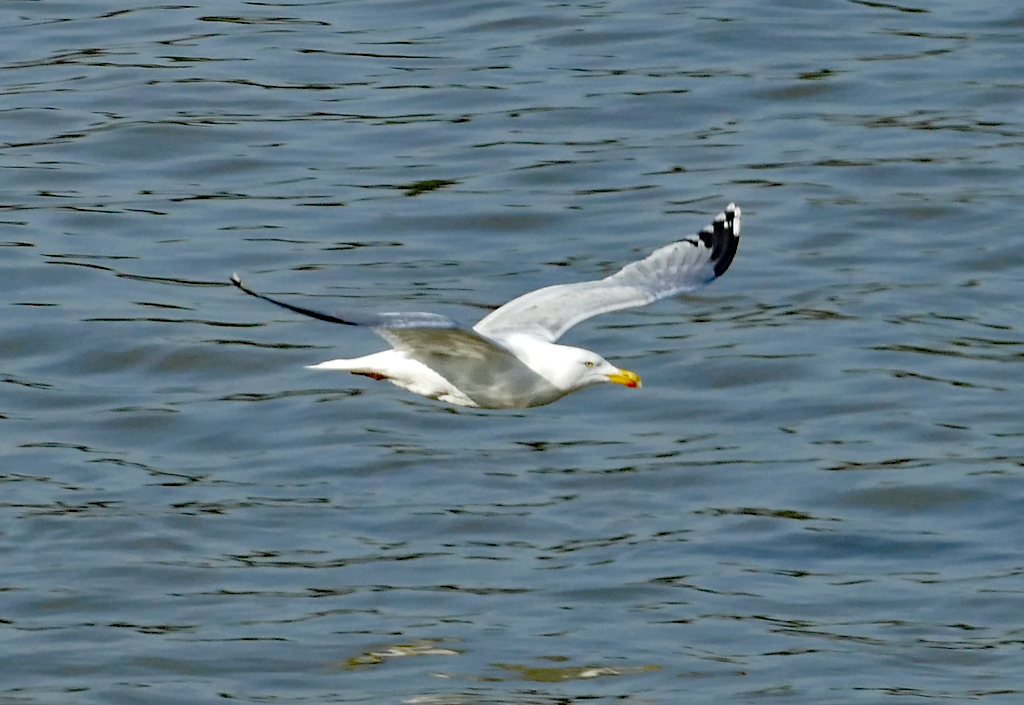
(817, 495)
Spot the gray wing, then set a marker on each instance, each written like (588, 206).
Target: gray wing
(482, 369)
(674, 269)
(411, 332)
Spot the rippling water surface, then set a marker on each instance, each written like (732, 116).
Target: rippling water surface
(816, 496)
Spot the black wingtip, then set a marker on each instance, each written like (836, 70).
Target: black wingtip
(331, 318)
(237, 281)
(722, 237)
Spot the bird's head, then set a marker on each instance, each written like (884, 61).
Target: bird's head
(575, 368)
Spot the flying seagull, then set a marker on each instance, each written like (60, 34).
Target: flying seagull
(510, 360)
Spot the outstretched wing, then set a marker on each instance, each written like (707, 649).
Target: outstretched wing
(414, 331)
(413, 319)
(674, 269)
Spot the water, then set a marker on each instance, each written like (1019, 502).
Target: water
(815, 497)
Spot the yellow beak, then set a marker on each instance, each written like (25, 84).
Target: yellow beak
(630, 379)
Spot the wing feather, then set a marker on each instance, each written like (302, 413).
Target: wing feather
(674, 269)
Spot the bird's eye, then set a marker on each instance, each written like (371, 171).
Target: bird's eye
(588, 363)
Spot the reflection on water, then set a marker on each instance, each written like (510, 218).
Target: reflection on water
(815, 497)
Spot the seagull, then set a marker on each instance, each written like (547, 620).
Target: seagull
(510, 360)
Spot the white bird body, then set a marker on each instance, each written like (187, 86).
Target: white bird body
(554, 374)
(510, 359)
